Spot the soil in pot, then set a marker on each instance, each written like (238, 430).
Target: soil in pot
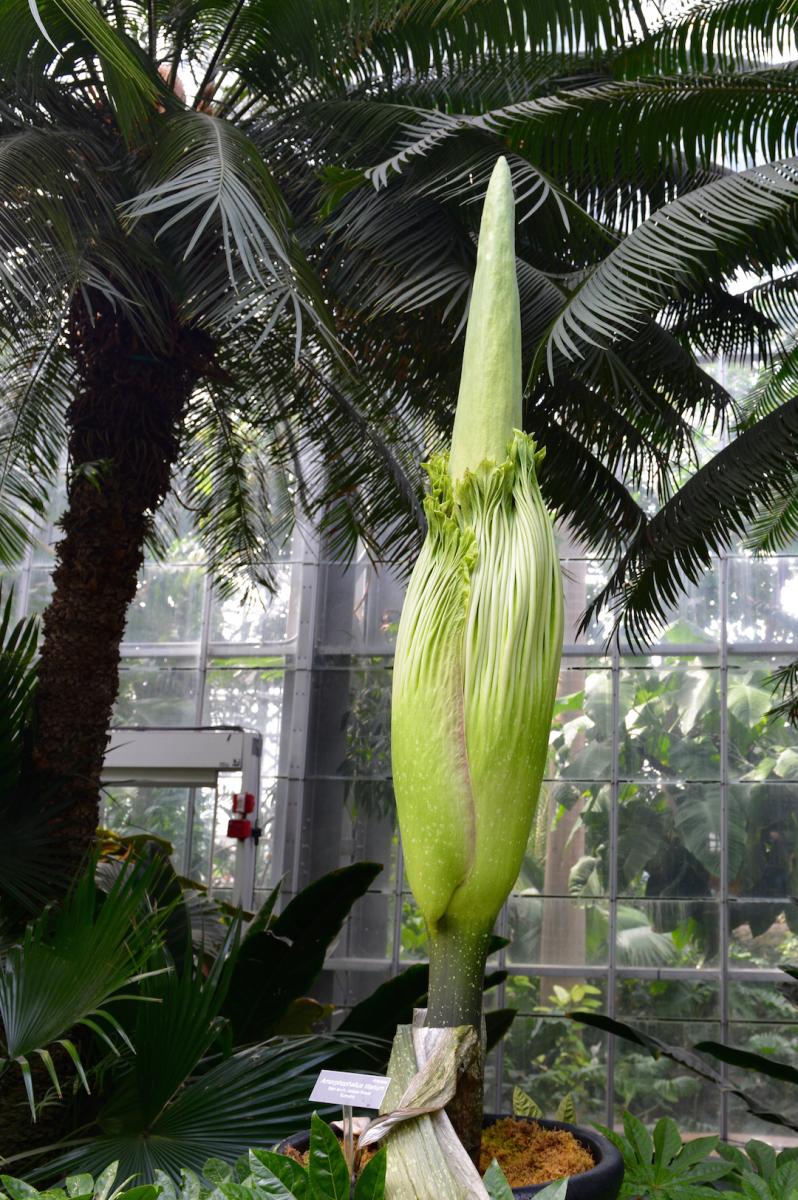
(529, 1154)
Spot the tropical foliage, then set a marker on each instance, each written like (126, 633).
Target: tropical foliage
(177, 233)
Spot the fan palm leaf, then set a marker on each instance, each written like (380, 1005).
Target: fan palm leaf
(70, 965)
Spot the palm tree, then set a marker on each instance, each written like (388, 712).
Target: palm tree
(160, 317)
(158, 311)
(671, 154)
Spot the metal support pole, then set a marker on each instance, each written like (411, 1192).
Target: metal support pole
(723, 906)
(247, 848)
(612, 870)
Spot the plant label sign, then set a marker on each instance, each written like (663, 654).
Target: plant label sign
(350, 1090)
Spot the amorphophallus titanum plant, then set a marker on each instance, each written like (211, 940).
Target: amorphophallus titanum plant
(479, 644)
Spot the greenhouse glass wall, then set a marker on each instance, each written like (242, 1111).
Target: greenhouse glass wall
(661, 873)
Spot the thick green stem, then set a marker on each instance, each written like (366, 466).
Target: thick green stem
(456, 975)
(457, 957)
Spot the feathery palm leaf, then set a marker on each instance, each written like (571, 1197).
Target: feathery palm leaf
(716, 504)
(706, 232)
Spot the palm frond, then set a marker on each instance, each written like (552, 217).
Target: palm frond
(239, 491)
(17, 683)
(708, 35)
(701, 235)
(253, 1098)
(776, 526)
(775, 387)
(716, 504)
(580, 489)
(171, 1033)
(40, 29)
(68, 967)
(784, 682)
(318, 47)
(213, 188)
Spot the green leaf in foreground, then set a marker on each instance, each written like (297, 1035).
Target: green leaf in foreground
(496, 1184)
(371, 1181)
(267, 1166)
(329, 1174)
(555, 1191)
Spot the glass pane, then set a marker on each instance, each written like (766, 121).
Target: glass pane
(581, 739)
(667, 933)
(549, 1056)
(763, 836)
(255, 615)
(654, 1088)
(776, 1042)
(671, 999)
(763, 599)
(167, 606)
(157, 691)
(668, 839)
(763, 933)
(161, 811)
(361, 610)
(367, 932)
(670, 721)
(347, 821)
(566, 851)
(249, 696)
(556, 931)
(759, 748)
(353, 720)
(40, 589)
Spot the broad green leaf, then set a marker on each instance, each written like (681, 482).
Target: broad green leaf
(17, 1189)
(105, 1181)
(496, 1184)
(639, 1138)
(554, 1191)
(329, 1174)
(749, 704)
(268, 1184)
(79, 1185)
(268, 1165)
(667, 1142)
(762, 1156)
(697, 1149)
(216, 1171)
(371, 1181)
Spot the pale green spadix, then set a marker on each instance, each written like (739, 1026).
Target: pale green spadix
(479, 644)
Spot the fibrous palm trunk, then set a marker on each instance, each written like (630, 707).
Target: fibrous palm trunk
(124, 435)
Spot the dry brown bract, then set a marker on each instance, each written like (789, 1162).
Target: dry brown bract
(528, 1153)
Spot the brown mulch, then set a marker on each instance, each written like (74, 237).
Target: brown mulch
(528, 1153)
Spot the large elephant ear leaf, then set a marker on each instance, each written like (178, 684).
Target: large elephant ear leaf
(278, 965)
(70, 965)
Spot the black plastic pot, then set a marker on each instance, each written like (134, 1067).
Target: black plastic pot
(602, 1182)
